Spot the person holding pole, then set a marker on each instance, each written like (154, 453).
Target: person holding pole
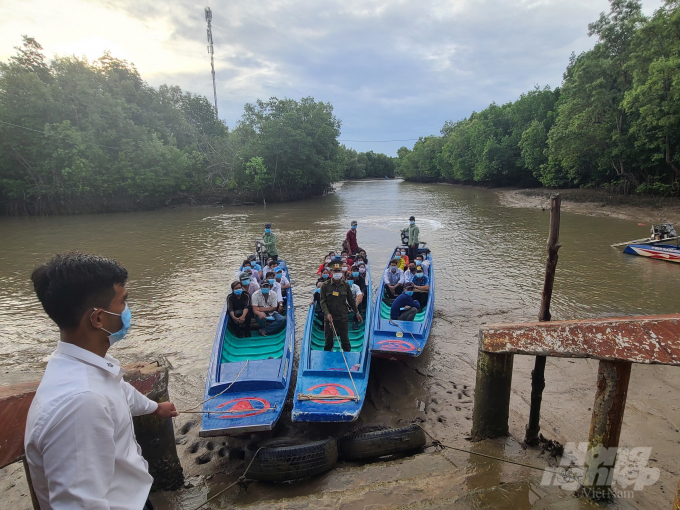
(336, 294)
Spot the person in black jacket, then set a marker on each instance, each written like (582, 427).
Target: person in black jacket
(239, 309)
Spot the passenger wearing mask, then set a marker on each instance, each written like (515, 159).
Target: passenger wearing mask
(248, 282)
(362, 272)
(363, 255)
(413, 232)
(265, 306)
(346, 260)
(404, 257)
(254, 273)
(257, 268)
(358, 279)
(326, 274)
(422, 287)
(316, 301)
(394, 279)
(410, 272)
(240, 312)
(275, 288)
(335, 297)
(401, 264)
(281, 279)
(422, 261)
(329, 258)
(358, 296)
(405, 308)
(351, 239)
(270, 242)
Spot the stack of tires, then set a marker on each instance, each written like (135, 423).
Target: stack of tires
(283, 459)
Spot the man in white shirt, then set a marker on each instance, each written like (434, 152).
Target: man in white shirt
(265, 305)
(79, 441)
(393, 278)
(358, 296)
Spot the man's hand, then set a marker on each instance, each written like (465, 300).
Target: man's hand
(260, 314)
(165, 410)
(407, 308)
(359, 318)
(330, 318)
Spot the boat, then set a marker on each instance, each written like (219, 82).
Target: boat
(656, 246)
(331, 386)
(393, 339)
(248, 378)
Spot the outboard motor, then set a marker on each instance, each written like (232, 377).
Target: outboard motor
(404, 236)
(260, 251)
(663, 231)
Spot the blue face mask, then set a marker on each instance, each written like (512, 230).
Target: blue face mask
(354, 227)
(350, 282)
(355, 273)
(246, 282)
(412, 222)
(409, 292)
(126, 316)
(238, 292)
(317, 290)
(397, 257)
(265, 291)
(419, 274)
(271, 281)
(325, 276)
(267, 230)
(257, 267)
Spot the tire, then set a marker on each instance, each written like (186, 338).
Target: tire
(282, 459)
(368, 445)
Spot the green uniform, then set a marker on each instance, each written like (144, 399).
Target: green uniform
(413, 232)
(270, 244)
(334, 298)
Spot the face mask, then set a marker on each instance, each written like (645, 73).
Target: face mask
(393, 269)
(271, 281)
(362, 269)
(328, 260)
(344, 259)
(419, 262)
(265, 291)
(350, 282)
(238, 292)
(245, 268)
(403, 253)
(337, 276)
(355, 273)
(344, 268)
(397, 257)
(246, 282)
(409, 292)
(419, 273)
(317, 290)
(354, 227)
(412, 222)
(257, 267)
(412, 269)
(324, 276)
(267, 230)
(278, 278)
(126, 316)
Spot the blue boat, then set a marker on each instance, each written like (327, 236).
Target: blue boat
(325, 391)
(248, 378)
(394, 339)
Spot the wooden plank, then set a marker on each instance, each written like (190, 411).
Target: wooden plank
(648, 339)
(15, 401)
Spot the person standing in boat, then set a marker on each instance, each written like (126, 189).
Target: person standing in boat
(351, 239)
(335, 296)
(413, 241)
(270, 242)
(80, 444)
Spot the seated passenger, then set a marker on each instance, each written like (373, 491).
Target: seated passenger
(281, 279)
(240, 312)
(394, 279)
(248, 282)
(404, 257)
(248, 265)
(405, 308)
(326, 274)
(359, 279)
(346, 261)
(363, 255)
(256, 266)
(422, 261)
(358, 296)
(410, 272)
(362, 271)
(327, 261)
(400, 261)
(265, 306)
(276, 288)
(316, 301)
(422, 287)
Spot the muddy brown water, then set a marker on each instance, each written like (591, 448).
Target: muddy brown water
(489, 264)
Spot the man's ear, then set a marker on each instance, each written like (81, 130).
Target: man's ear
(94, 318)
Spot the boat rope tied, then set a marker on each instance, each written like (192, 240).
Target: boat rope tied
(336, 337)
(402, 331)
(311, 396)
(438, 444)
(186, 411)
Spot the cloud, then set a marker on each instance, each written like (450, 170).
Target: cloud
(392, 69)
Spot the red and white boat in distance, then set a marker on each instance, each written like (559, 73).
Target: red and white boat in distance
(657, 246)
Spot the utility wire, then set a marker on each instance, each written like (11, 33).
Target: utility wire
(55, 134)
(380, 141)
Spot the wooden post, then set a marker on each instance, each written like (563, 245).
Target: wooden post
(538, 373)
(605, 428)
(492, 395)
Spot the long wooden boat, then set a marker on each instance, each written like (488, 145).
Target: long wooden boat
(332, 387)
(394, 339)
(656, 246)
(255, 372)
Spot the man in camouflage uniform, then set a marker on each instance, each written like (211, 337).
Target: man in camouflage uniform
(336, 294)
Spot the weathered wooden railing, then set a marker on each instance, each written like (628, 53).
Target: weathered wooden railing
(156, 436)
(617, 343)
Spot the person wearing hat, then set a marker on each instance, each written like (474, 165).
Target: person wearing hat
(404, 307)
(351, 239)
(413, 242)
(248, 283)
(265, 305)
(270, 242)
(335, 296)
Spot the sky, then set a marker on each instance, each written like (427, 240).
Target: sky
(394, 70)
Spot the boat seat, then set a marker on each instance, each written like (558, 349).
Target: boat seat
(256, 347)
(356, 336)
(386, 305)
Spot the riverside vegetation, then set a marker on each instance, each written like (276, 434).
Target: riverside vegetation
(79, 136)
(613, 123)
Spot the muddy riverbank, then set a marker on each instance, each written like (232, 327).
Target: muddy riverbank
(489, 262)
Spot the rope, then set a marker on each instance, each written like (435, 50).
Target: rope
(242, 481)
(402, 331)
(311, 396)
(186, 411)
(438, 443)
(337, 337)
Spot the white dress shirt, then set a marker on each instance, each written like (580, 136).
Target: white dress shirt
(80, 443)
(391, 278)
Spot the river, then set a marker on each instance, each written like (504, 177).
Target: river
(489, 264)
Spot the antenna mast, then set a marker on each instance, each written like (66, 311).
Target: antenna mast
(208, 18)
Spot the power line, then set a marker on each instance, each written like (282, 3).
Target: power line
(55, 134)
(381, 141)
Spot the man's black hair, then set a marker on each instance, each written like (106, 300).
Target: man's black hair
(394, 261)
(412, 218)
(245, 262)
(270, 273)
(70, 283)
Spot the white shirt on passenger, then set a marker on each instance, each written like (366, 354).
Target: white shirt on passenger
(356, 291)
(80, 443)
(393, 278)
(270, 300)
(284, 280)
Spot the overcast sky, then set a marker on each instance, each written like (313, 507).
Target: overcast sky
(393, 70)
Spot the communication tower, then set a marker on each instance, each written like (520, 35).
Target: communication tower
(208, 18)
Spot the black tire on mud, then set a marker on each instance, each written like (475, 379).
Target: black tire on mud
(283, 459)
(379, 443)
